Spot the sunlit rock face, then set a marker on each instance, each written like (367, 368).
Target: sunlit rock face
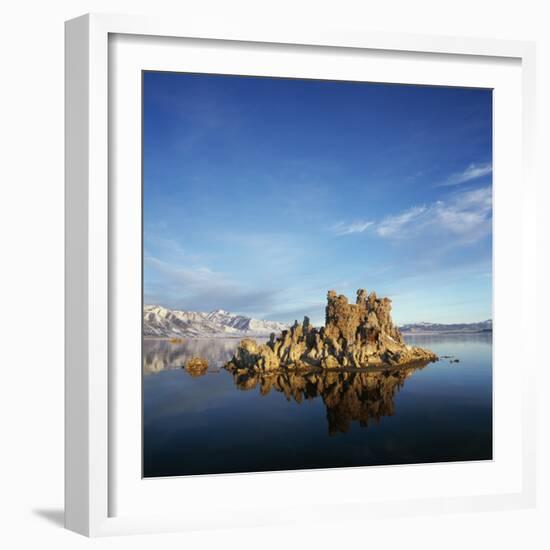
(196, 366)
(361, 396)
(356, 335)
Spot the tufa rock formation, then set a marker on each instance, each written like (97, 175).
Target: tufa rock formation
(196, 366)
(356, 335)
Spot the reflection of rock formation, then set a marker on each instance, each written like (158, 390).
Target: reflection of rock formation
(355, 335)
(349, 396)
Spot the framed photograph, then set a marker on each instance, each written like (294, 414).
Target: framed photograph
(298, 275)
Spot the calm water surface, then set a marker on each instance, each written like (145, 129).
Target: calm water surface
(218, 423)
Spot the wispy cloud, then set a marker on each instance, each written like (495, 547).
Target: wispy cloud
(466, 216)
(342, 228)
(393, 226)
(167, 246)
(201, 288)
(472, 172)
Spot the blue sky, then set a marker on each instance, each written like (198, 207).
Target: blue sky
(261, 194)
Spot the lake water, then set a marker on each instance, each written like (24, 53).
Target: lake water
(217, 423)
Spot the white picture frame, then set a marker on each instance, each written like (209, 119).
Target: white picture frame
(92, 222)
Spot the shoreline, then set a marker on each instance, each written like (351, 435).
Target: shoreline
(446, 333)
(211, 337)
(386, 367)
(241, 336)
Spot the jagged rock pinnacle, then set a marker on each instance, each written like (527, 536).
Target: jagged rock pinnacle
(359, 335)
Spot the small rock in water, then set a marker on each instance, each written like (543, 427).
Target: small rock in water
(196, 366)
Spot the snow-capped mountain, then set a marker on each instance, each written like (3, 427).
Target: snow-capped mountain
(163, 322)
(463, 328)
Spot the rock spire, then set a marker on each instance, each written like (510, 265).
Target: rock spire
(355, 336)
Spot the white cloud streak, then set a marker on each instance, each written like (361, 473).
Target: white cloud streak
(472, 172)
(350, 228)
(393, 226)
(464, 217)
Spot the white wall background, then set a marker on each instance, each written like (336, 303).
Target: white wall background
(31, 268)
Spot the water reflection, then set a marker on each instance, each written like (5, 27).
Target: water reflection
(449, 339)
(439, 413)
(160, 354)
(348, 396)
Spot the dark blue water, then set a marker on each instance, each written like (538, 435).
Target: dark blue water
(217, 423)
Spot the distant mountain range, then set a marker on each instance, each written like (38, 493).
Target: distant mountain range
(438, 328)
(161, 322)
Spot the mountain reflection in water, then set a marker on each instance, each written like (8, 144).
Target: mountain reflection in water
(348, 396)
(161, 354)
